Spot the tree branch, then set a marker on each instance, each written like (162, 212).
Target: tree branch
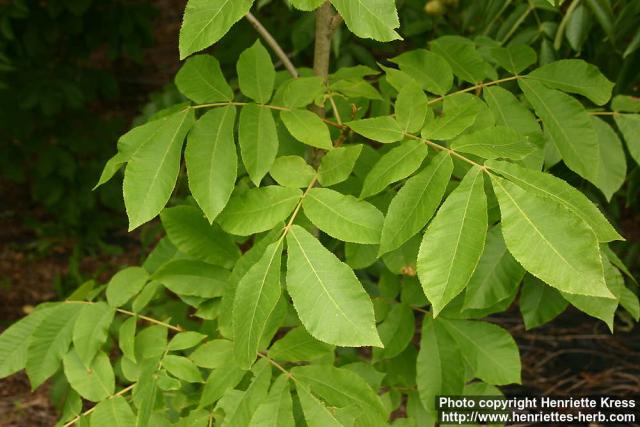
(266, 35)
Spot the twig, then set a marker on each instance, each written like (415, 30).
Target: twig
(266, 35)
(90, 410)
(474, 87)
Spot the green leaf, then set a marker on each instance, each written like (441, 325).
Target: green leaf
(145, 392)
(398, 163)
(497, 275)
(205, 23)
(300, 92)
(568, 125)
(213, 354)
(50, 342)
(307, 128)
(258, 209)
(575, 76)
(91, 330)
(340, 387)
(182, 368)
(495, 142)
(256, 297)
(255, 394)
(396, 331)
(625, 103)
(306, 5)
(355, 88)
(488, 349)
(415, 203)
(94, 382)
(211, 160)
(411, 108)
(153, 167)
(384, 129)
(258, 139)
(612, 164)
(126, 338)
(459, 112)
(125, 284)
(277, 410)
(112, 166)
(328, 297)
(292, 171)
(373, 19)
(337, 164)
(510, 112)
(550, 241)
(297, 346)
(201, 80)
(431, 71)
(343, 216)
(192, 234)
(184, 340)
(440, 366)
(256, 74)
(629, 125)
(225, 377)
(15, 340)
(539, 303)
(453, 243)
(114, 412)
(193, 278)
(549, 186)
(316, 413)
(515, 57)
(604, 14)
(462, 56)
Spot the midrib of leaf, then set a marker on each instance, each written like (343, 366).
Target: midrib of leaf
(558, 82)
(214, 150)
(267, 208)
(337, 213)
(322, 285)
(212, 87)
(480, 348)
(217, 12)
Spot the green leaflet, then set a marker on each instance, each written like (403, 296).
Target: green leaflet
(91, 329)
(453, 243)
(205, 23)
(112, 166)
(258, 209)
(549, 186)
(256, 297)
(439, 366)
(255, 394)
(292, 171)
(153, 166)
(539, 302)
(463, 58)
(568, 125)
(514, 58)
(220, 379)
(550, 241)
(398, 163)
(184, 340)
(341, 387)
(337, 164)
(575, 76)
(415, 203)
(508, 111)
(258, 139)
(212, 354)
(297, 345)
(182, 368)
(95, 381)
(300, 92)
(373, 19)
(612, 164)
(384, 129)
(114, 412)
(277, 409)
(211, 160)
(355, 88)
(428, 69)
(50, 341)
(306, 5)
(307, 128)
(629, 125)
(495, 142)
(396, 331)
(625, 103)
(125, 284)
(190, 232)
(256, 74)
(459, 112)
(343, 216)
(316, 413)
(411, 108)
(194, 278)
(328, 297)
(489, 350)
(497, 275)
(126, 338)
(201, 80)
